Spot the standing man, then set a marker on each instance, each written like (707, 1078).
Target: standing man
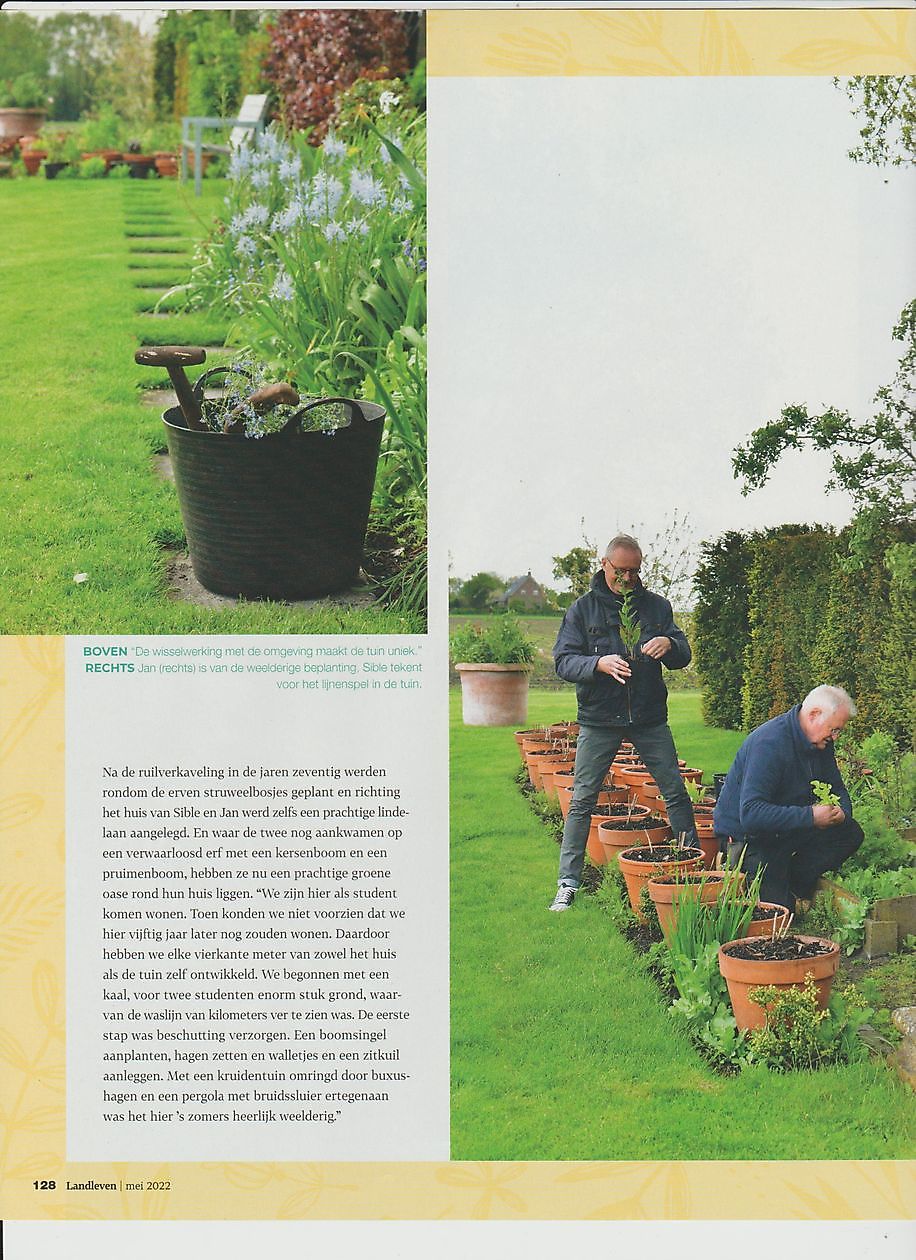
(767, 811)
(618, 698)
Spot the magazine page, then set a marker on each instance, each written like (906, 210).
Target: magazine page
(299, 937)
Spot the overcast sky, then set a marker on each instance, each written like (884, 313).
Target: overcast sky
(627, 277)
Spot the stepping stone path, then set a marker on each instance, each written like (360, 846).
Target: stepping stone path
(183, 585)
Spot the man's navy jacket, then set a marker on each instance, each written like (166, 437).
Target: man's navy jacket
(768, 788)
(591, 629)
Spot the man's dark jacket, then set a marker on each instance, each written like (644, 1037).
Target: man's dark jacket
(768, 788)
(591, 629)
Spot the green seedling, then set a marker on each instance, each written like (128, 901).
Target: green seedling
(629, 620)
(824, 793)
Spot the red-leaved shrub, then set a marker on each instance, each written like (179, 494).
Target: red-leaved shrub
(316, 53)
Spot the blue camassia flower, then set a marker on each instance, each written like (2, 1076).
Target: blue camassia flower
(283, 288)
(366, 188)
(333, 148)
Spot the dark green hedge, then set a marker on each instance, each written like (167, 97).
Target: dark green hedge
(781, 610)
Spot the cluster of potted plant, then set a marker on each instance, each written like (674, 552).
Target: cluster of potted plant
(105, 141)
(728, 952)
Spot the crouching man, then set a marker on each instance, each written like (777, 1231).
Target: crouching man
(767, 813)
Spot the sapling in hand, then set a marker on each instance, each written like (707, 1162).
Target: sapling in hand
(629, 620)
(824, 793)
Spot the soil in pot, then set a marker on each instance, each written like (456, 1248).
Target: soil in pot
(639, 864)
(785, 962)
(764, 915)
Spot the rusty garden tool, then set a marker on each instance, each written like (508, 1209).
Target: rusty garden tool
(175, 359)
(263, 399)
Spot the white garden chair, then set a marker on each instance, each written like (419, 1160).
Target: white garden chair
(251, 117)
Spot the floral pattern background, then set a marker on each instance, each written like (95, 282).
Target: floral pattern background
(32, 1035)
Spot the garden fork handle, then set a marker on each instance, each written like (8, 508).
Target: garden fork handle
(174, 359)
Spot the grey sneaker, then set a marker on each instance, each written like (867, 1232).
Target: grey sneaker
(563, 900)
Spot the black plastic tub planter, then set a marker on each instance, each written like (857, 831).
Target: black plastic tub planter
(282, 516)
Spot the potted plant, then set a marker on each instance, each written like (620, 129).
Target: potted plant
(493, 664)
(274, 489)
(32, 154)
(63, 150)
(779, 961)
(102, 135)
(624, 825)
(138, 163)
(22, 107)
(640, 863)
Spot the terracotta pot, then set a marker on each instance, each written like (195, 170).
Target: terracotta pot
(637, 874)
(705, 889)
(608, 796)
(535, 740)
(16, 122)
(632, 777)
(594, 847)
(166, 165)
(613, 840)
(521, 735)
(564, 730)
(743, 974)
(649, 794)
(549, 759)
(706, 838)
(695, 776)
(33, 159)
(764, 927)
(494, 695)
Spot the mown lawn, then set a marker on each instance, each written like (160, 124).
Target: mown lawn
(79, 492)
(562, 1049)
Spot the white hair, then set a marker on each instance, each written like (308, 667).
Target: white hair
(828, 699)
(626, 542)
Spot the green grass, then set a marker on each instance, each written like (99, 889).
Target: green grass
(80, 495)
(562, 1048)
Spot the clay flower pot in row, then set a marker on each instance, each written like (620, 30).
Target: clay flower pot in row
(607, 796)
(630, 822)
(546, 759)
(752, 962)
(669, 891)
(639, 865)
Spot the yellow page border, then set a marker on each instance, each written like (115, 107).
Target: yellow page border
(32, 924)
(575, 43)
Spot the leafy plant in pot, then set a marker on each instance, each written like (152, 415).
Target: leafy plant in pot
(22, 107)
(493, 664)
(63, 150)
(777, 961)
(274, 489)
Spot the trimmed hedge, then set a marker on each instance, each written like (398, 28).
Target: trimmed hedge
(781, 610)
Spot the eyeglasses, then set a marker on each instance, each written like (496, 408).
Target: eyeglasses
(620, 569)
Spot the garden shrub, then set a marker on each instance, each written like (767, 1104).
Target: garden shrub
(501, 642)
(722, 627)
(316, 53)
(92, 168)
(896, 665)
(788, 582)
(780, 610)
(798, 1036)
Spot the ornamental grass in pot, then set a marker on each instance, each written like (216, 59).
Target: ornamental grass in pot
(493, 664)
